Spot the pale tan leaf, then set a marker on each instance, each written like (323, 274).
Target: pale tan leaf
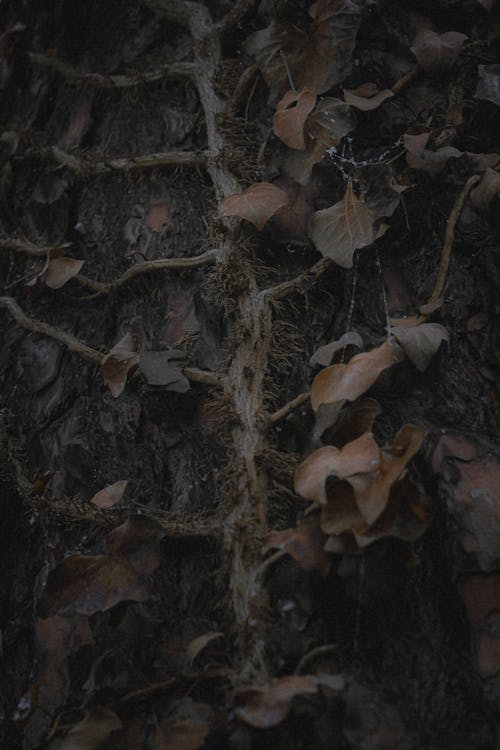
(90, 733)
(367, 97)
(159, 216)
(324, 355)
(290, 116)
(110, 495)
(436, 53)
(358, 457)
(257, 204)
(117, 364)
(487, 189)
(347, 382)
(197, 645)
(266, 707)
(186, 734)
(343, 228)
(61, 270)
(420, 343)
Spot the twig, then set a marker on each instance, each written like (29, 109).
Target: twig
(300, 283)
(328, 648)
(234, 16)
(437, 292)
(243, 83)
(405, 80)
(86, 352)
(25, 246)
(36, 326)
(288, 408)
(148, 266)
(75, 76)
(85, 166)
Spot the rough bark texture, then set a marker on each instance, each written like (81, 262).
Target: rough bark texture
(125, 125)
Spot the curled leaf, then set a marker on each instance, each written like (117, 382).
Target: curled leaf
(421, 342)
(324, 355)
(291, 113)
(266, 707)
(197, 645)
(90, 733)
(487, 189)
(257, 204)
(329, 122)
(488, 85)
(165, 368)
(339, 383)
(61, 270)
(305, 543)
(343, 228)
(436, 53)
(367, 97)
(110, 495)
(116, 365)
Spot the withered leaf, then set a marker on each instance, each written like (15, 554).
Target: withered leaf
(340, 382)
(341, 512)
(138, 541)
(257, 204)
(110, 495)
(436, 53)
(267, 707)
(158, 216)
(116, 365)
(329, 122)
(291, 221)
(367, 97)
(87, 584)
(360, 457)
(185, 734)
(324, 355)
(305, 543)
(290, 116)
(488, 84)
(61, 270)
(90, 733)
(355, 419)
(165, 368)
(343, 228)
(420, 343)
(197, 645)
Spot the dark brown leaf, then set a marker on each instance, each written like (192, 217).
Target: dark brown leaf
(116, 365)
(305, 544)
(290, 116)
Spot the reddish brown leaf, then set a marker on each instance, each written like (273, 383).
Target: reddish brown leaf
(61, 270)
(138, 541)
(110, 495)
(343, 228)
(290, 116)
(266, 707)
(116, 365)
(257, 204)
(291, 221)
(355, 419)
(158, 216)
(367, 97)
(305, 544)
(339, 383)
(360, 457)
(436, 53)
(341, 512)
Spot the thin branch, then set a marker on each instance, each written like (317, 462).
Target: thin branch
(85, 166)
(244, 82)
(405, 80)
(288, 408)
(36, 326)
(86, 352)
(449, 236)
(300, 283)
(148, 266)
(234, 16)
(74, 75)
(25, 246)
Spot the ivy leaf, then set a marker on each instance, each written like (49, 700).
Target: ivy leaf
(367, 97)
(324, 355)
(116, 365)
(290, 116)
(343, 228)
(421, 342)
(263, 707)
(110, 495)
(436, 53)
(165, 368)
(257, 204)
(305, 543)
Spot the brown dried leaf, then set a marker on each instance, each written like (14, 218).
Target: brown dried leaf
(257, 204)
(159, 216)
(186, 734)
(61, 270)
(329, 122)
(356, 419)
(305, 544)
(266, 707)
(291, 221)
(165, 368)
(197, 645)
(421, 342)
(360, 457)
(138, 541)
(324, 355)
(437, 53)
(367, 97)
(487, 189)
(87, 584)
(290, 116)
(341, 512)
(117, 364)
(340, 382)
(110, 495)
(343, 228)
(90, 733)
